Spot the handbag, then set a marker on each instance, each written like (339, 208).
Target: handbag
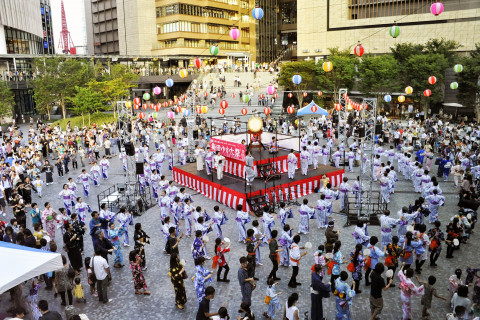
(184, 274)
(351, 267)
(267, 299)
(93, 277)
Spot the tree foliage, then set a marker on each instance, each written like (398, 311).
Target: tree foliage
(378, 74)
(306, 69)
(7, 100)
(86, 101)
(468, 81)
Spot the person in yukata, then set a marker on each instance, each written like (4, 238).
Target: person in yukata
(114, 235)
(344, 189)
(125, 219)
(85, 178)
(268, 221)
(250, 173)
(434, 201)
(201, 278)
(284, 214)
(95, 171)
(292, 161)
(304, 156)
(219, 219)
(209, 161)
(67, 196)
(242, 218)
(407, 290)
(323, 207)
(343, 297)
(105, 165)
(306, 213)
(81, 208)
(285, 241)
(360, 234)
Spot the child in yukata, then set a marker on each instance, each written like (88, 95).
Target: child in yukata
(84, 178)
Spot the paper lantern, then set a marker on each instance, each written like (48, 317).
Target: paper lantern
(338, 106)
(146, 96)
(245, 98)
(178, 109)
(141, 115)
(137, 106)
(169, 83)
(171, 114)
(197, 63)
(128, 104)
(221, 111)
(408, 90)
(155, 115)
(432, 80)
(165, 104)
(359, 50)
(271, 89)
(387, 98)
(314, 108)
(266, 111)
(233, 95)
(244, 111)
(183, 73)
(186, 112)
(219, 94)
(198, 109)
(157, 90)
(152, 106)
(224, 104)
(427, 93)
(454, 85)
(170, 102)
(401, 99)
(297, 79)
(204, 109)
(319, 93)
(157, 108)
(137, 100)
(394, 31)
(360, 107)
(290, 95)
(261, 96)
(290, 110)
(436, 8)
(175, 100)
(458, 68)
(214, 50)
(327, 66)
(205, 94)
(144, 106)
(234, 33)
(257, 13)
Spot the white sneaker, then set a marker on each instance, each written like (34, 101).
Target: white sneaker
(126, 245)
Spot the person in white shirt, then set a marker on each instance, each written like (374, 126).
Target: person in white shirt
(295, 257)
(102, 272)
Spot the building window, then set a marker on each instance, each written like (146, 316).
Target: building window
(192, 10)
(21, 42)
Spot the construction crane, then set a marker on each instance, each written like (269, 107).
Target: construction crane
(66, 42)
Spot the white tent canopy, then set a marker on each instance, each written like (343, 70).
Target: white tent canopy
(20, 263)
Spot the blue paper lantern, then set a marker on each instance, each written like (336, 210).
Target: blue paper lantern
(257, 13)
(186, 112)
(387, 98)
(297, 79)
(169, 82)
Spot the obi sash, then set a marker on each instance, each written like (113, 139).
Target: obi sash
(386, 230)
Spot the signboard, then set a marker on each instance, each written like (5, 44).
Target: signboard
(228, 149)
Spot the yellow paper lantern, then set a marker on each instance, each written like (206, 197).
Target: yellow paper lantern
(129, 104)
(296, 122)
(401, 99)
(327, 66)
(204, 109)
(183, 73)
(408, 90)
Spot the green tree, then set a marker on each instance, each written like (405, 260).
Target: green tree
(377, 75)
(306, 69)
(7, 100)
(343, 74)
(402, 51)
(86, 101)
(468, 81)
(56, 81)
(442, 46)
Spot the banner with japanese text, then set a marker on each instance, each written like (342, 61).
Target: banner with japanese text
(228, 149)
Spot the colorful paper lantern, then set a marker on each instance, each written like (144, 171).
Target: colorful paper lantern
(327, 66)
(319, 93)
(244, 111)
(198, 109)
(233, 95)
(401, 99)
(408, 90)
(275, 95)
(360, 107)
(290, 95)
(338, 106)
(234, 33)
(387, 98)
(183, 73)
(314, 108)
(261, 96)
(257, 13)
(290, 110)
(169, 83)
(427, 93)
(266, 111)
(137, 106)
(297, 79)
(205, 94)
(205, 109)
(454, 85)
(245, 98)
(271, 89)
(137, 100)
(305, 94)
(224, 104)
(171, 114)
(359, 50)
(157, 108)
(219, 94)
(458, 68)
(436, 8)
(394, 31)
(221, 111)
(157, 90)
(144, 106)
(186, 112)
(146, 96)
(214, 50)
(432, 80)
(178, 109)
(170, 102)
(152, 106)
(141, 115)
(165, 104)
(175, 100)
(155, 115)
(197, 63)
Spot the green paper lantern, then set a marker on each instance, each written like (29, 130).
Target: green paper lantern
(214, 50)
(458, 68)
(394, 31)
(154, 115)
(146, 96)
(454, 85)
(245, 98)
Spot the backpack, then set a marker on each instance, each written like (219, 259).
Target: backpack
(250, 247)
(168, 247)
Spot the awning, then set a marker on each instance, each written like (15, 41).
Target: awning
(20, 263)
(307, 110)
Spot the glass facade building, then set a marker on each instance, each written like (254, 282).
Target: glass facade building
(45, 11)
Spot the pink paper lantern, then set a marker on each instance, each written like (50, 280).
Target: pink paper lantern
(157, 90)
(436, 8)
(171, 114)
(271, 89)
(234, 33)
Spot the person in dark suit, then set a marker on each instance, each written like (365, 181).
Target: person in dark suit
(46, 314)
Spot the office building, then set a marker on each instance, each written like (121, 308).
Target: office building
(46, 15)
(102, 26)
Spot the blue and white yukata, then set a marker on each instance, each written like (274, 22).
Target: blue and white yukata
(268, 223)
(283, 215)
(208, 162)
(200, 281)
(176, 209)
(67, 196)
(375, 253)
(123, 157)
(170, 161)
(344, 189)
(323, 208)
(80, 210)
(105, 165)
(198, 249)
(125, 219)
(72, 187)
(219, 219)
(155, 178)
(172, 192)
(357, 190)
(274, 303)
(305, 214)
(84, 179)
(325, 154)
(403, 223)
(164, 203)
(109, 217)
(434, 201)
(292, 161)
(351, 157)
(343, 300)
(304, 156)
(330, 195)
(285, 240)
(417, 179)
(187, 214)
(426, 184)
(386, 224)
(242, 218)
(361, 235)
(385, 189)
(95, 171)
(337, 155)
(114, 236)
(258, 235)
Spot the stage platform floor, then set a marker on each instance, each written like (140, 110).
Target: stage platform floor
(263, 154)
(237, 184)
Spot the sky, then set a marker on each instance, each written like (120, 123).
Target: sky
(75, 12)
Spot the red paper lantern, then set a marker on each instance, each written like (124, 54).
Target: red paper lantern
(157, 108)
(205, 94)
(197, 62)
(290, 110)
(275, 95)
(261, 95)
(137, 100)
(266, 111)
(219, 94)
(427, 93)
(290, 95)
(170, 102)
(165, 104)
(145, 106)
(137, 106)
(141, 115)
(338, 106)
(359, 50)
(184, 96)
(199, 109)
(314, 108)
(244, 111)
(432, 80)
(175, 101)
(178, 109)
(233, 95)
(224, 104)
(221, 111)
(319, 93)
(180, 99)
(305, 94)
(360, 107)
